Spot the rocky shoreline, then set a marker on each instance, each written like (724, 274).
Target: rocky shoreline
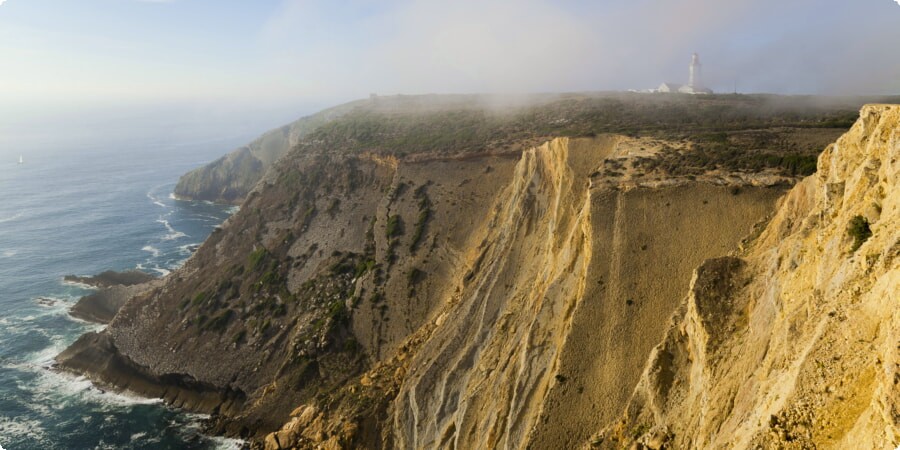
(114, 289)
(95, 355)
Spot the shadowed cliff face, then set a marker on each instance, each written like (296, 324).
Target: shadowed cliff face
(792, 344)
(331, 262)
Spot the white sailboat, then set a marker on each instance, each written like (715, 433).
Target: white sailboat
(21, 161)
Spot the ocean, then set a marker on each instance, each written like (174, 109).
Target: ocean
(83, 210)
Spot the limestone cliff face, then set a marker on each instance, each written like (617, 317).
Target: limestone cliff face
(538, 329)
(792, 343)
(482, 301)
(487, 369)
(561, 301)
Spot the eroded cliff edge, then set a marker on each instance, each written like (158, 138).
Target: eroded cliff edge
(735, 131)
(792, 343)
(230, 178)
(339, 268)
(495, 298)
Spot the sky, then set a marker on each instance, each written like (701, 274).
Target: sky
(246, 64)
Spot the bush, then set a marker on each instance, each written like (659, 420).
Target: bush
(257, 257)
(394, 226)
(414, 276)
(419, 232)
(338, 312)
(220, 322)
(859, 230)
(198, 299)
(364, 267)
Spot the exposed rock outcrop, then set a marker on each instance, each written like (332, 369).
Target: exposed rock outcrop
(512, 298)
(112, 278)
(114, 289)
(794, 342)
(102, 306)
(511, 336)
(506, 279)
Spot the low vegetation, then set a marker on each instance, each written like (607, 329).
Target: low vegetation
(424, 204)
(860, 231)
(394, 226)
(735, 132)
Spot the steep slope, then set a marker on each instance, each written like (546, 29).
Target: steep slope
(794, 342)
(262, 317)
(566, 273)
(391, 283)
(336, 265)
(514, 335)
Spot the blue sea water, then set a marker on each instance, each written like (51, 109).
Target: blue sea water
(83, 210)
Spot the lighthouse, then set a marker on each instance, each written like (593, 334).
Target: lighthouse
(695, 81)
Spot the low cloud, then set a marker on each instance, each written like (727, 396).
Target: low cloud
(541, 45)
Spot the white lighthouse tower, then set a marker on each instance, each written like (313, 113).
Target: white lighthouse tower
(694, 81)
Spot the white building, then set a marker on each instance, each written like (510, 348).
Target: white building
(695, 81)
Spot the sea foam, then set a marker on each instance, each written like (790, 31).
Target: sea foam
(156, 201)
(173, 233)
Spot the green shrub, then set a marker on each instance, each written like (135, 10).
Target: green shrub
(859, 230)
(414, 276)
(424, 215)
(338, 311)
(364, 267)
(239, 336)
(394, 226)
(198, 299)
(256, 257)
(220, 322)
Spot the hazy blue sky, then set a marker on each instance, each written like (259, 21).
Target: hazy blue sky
(279, 58)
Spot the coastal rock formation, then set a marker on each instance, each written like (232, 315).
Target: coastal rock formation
(229, 178)
(562, 273)
(295, 298)
(111, 278)
(512, 295)
(114, 289)
(792, 343)
(102, 306)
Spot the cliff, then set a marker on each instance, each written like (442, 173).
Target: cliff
(338, 260)
(385, 286)
(791, 343)
(229, 178)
